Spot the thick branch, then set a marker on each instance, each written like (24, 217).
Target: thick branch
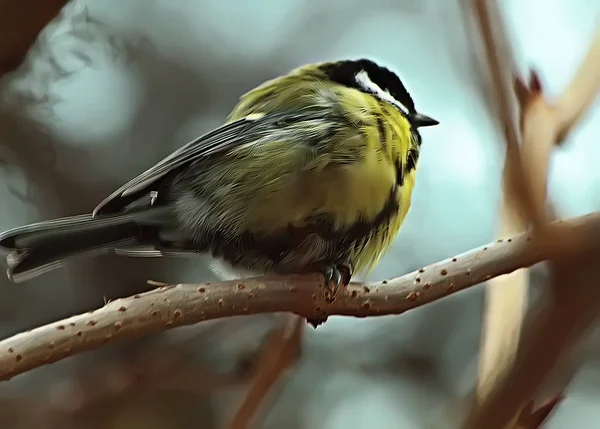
(185, 304)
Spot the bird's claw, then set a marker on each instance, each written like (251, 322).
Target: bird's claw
(335, 276)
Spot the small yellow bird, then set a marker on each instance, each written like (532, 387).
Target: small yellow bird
(312, 171)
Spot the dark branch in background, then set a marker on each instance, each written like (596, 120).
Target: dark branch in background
(21, 22)
(280, 351)
(91, 395)
(171, 306)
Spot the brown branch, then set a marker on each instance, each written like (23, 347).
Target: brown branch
(523, 197)
(584, 88)
(542, 125)
(505, 298)
(555, 326)
(533, 418)
(280, 350)
(171, 306)
(497, 50)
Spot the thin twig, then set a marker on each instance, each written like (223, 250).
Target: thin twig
(185, 304)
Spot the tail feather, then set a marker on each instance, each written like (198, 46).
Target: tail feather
(29, 264)
(42, 247)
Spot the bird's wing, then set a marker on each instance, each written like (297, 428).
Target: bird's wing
(219, 140)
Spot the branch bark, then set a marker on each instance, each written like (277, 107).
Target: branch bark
(185, 304)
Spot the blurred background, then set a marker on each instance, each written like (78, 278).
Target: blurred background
(113, 86)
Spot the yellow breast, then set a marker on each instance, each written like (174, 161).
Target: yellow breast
(359, 190)
(352, 179)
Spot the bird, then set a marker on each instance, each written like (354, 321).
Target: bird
(312, 171)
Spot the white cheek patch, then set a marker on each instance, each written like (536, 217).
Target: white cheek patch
(363, 79)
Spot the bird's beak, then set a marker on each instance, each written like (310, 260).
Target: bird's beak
(419, 120)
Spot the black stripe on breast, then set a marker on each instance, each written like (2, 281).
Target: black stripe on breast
(276, 246)
(399, 173)
(324, 224)
(382, 133)
(411, 160)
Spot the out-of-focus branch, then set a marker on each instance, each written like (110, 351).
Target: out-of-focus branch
(110, 387)
(281, 349)
(581, 93)
(499, 57)
(505, 300)
(171, 306)
(555, 326)
(533, 418)
(21, 21)
(542, 126)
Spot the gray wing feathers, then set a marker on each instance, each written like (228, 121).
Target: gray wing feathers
(213, 142)
(231, 135)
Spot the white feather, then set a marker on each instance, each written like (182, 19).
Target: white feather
(225, 271)
(364, 80)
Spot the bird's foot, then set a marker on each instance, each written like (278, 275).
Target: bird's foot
(336, 275)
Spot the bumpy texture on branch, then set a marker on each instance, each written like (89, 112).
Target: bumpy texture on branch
(184, 304)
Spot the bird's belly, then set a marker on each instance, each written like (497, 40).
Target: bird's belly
(315, 239)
